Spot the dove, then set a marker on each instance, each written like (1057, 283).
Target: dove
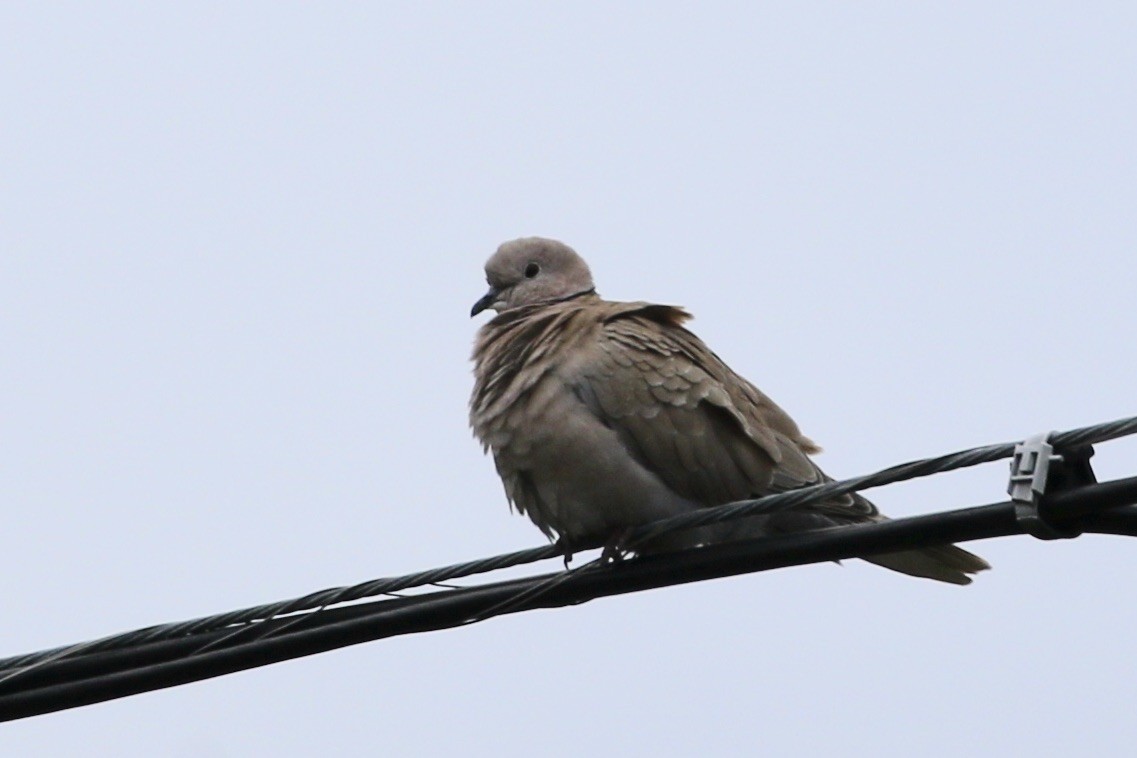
(602, 416)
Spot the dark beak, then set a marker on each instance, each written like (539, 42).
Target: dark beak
(485, 302)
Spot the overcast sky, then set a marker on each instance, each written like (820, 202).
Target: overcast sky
(238, 248)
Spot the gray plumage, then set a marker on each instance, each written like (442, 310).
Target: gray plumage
(602, 416)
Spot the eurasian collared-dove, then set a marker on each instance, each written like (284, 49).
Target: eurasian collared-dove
(603, 416)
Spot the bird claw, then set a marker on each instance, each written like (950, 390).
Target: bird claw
(566, 551)
(614, 550)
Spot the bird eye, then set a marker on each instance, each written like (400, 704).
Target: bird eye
(532, 270)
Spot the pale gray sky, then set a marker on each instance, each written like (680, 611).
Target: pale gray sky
(238, 247)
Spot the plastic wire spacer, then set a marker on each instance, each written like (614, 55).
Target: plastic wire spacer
(1030, 469)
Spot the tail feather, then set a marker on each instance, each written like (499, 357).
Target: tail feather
(944, 563)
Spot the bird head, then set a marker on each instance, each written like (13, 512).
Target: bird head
(533, 270)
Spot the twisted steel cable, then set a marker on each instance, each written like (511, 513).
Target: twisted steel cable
(247, 617)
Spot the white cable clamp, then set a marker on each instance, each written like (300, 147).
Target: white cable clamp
(1029, 471)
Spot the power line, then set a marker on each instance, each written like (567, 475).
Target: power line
(171, 654)
(771, 503)
(172, 662)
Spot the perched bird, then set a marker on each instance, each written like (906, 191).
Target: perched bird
(603, 416)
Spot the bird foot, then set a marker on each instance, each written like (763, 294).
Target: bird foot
(566, 551)
(614, 550)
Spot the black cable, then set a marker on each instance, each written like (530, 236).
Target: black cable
(771, 503)
(100, 676)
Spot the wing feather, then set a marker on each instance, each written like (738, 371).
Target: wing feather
(707, 432)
